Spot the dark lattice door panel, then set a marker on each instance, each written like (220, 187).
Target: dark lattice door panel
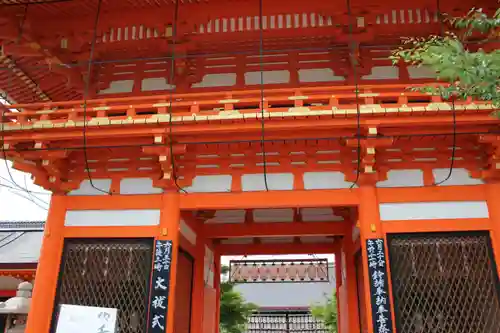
(109, 273)
(444, 282)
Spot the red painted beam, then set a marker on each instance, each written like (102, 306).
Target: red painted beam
(7, 293)
(271, 199)
(281, 229)
(275, 249)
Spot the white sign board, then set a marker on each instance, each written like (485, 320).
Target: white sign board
(86, 319)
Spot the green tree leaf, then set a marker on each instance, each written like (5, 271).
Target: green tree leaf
(234, 310)
(465, 70)
(327, 312)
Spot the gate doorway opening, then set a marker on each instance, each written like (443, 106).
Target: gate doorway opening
(256, 237)
(284, 290)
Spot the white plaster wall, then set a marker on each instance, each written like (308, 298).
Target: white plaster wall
(116, 87)
(216, 80)
(187, 232)
(138, 186)
(87, 189)
(275, 181)
(325, 180)
(403, 178)
(209, 262)
(318, 75)
(217, 183)
(156, 83)
(105, 218)
(458, 177)
(433, 210)
(383, 73)
(269, 77)
(420, 72)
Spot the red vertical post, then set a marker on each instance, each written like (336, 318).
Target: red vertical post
(493, 200)
(217, 281)
(170, 230)
(371, 228)
(47, 273)
(338, 284)
(351, 284)
(198, 285)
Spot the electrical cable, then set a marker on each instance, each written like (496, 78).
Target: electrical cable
(262, 121)
(454, 138)
(354, 65)
(2, 130)
(13, 240)
(17, 189)
(453, 148)
(26, 187)
(22, 189)
(170, 106)
(85, 96)
(27, 198)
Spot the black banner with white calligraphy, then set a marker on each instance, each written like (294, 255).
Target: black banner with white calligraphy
(379, 286)
(160, 287)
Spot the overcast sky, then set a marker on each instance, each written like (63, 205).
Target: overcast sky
(12, 204)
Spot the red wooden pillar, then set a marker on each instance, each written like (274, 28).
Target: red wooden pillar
(170, 230)
(42, 304)
(351, 287)
(338, 284)
(493, 200)
(217, 280)
(371, 228)
(198, 299)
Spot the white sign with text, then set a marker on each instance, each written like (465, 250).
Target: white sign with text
(86, 319)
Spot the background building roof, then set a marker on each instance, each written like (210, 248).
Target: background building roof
(20, 241)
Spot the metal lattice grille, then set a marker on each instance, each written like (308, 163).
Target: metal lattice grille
(109, 273)
(444, 283)
(285, 322)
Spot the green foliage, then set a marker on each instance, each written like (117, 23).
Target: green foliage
(327, 312)
(457, 57)
(234, 310)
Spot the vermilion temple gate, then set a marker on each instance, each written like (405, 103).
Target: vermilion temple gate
(195, 129)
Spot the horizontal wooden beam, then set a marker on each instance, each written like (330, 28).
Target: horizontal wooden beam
(434, 193)
(147, 201)
(270, 199)
(281, 229)
(275, 249)
(440, 225)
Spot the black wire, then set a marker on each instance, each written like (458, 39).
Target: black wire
(170, 106)
(17, 189)
(20, 188)
(85, 96)
(9, 83)
(262, 121)
(13, 240)
(356, 87)
(30, 200)
(453, 148)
